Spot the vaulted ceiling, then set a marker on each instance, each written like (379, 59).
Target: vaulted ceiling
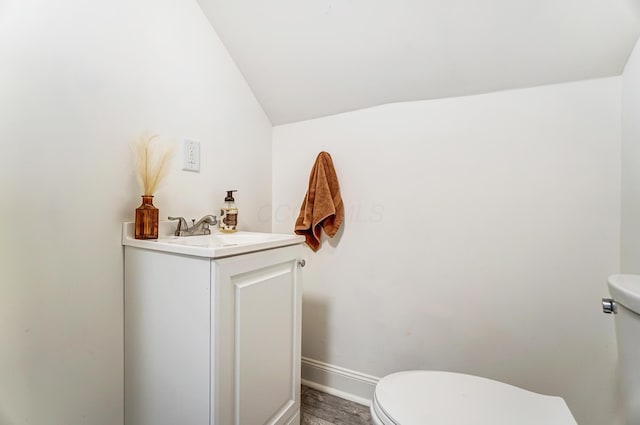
(310, 58)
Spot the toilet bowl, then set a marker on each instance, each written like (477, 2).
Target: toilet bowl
(421, 397)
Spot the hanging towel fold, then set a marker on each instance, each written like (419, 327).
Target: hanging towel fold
(322, 207)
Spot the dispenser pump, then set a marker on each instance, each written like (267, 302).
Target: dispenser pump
(229, 214)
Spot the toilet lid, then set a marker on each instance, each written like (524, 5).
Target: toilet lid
(433, 397)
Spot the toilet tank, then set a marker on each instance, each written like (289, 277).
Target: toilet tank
(625, 290)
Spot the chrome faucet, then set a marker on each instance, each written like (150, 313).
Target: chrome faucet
(199, 228)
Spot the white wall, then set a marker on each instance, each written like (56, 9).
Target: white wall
(630, 233)
(479, 235)
(78, 81)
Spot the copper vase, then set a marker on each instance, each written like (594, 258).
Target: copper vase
(147, 219)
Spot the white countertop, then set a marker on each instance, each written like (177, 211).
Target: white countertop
(216, 245)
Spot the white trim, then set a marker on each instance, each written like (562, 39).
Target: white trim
(337, 393)
(341, 382)
(295, 419)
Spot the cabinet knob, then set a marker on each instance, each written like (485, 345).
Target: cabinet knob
(302, 262)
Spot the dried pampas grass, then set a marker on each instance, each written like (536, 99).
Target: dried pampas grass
(152, 160)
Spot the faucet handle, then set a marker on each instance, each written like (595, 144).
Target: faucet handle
(204, 224)
(182, 225)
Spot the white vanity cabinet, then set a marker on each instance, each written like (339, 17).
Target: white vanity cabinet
(212, 341)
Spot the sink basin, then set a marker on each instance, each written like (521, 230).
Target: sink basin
(228, 239)
(216, 245)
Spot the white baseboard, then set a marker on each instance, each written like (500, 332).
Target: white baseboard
(344, 383)
(295, 419)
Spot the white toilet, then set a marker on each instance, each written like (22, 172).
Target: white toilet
(625, 290)
(420, 397)
(430, 397)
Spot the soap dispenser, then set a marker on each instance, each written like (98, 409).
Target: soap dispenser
(229, 214)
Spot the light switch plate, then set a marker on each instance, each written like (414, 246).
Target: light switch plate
(191, 156)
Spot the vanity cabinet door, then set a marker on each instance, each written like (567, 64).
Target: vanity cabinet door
(256, 333)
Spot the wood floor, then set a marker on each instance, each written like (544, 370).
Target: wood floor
(320, 408)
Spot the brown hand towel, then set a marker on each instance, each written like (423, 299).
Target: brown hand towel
(322, 207)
